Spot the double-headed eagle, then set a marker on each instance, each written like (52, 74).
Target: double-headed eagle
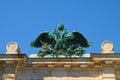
(61, 42)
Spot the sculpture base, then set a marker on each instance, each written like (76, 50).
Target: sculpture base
(12, 52)
(59, 56)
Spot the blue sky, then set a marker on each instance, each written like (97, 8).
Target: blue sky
(23, 20)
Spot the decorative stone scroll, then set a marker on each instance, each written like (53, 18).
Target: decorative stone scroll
(107, 47)
(13, 48)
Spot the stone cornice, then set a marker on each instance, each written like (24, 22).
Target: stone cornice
(96, 60)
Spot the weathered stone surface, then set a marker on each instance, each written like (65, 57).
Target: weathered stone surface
(13, 48)
(59, 75)
(1, 73)
(40, 74)
(118, 75)
(24, 74)
(98, 67)
(107, 47)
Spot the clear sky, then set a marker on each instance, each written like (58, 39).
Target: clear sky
(23, 20)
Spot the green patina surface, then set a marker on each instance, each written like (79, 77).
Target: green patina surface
(61, 43)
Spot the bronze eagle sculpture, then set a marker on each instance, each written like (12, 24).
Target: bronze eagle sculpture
(61, 42)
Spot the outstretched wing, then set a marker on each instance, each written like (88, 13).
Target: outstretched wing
(78, 38)
(44, 37)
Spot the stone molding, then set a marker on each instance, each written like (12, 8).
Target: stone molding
(95, 61)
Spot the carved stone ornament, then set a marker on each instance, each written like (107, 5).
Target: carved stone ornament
(107, 47)
(12, 47)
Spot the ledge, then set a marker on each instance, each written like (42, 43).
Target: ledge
(12, 57)
(93, 59)
(105, 55)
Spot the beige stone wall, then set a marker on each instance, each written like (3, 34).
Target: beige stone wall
(1, 73)
(95, 67)
(117, 73)
(59, 74)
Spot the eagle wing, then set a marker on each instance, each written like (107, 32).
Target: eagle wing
(77, 38)
(44, 37)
